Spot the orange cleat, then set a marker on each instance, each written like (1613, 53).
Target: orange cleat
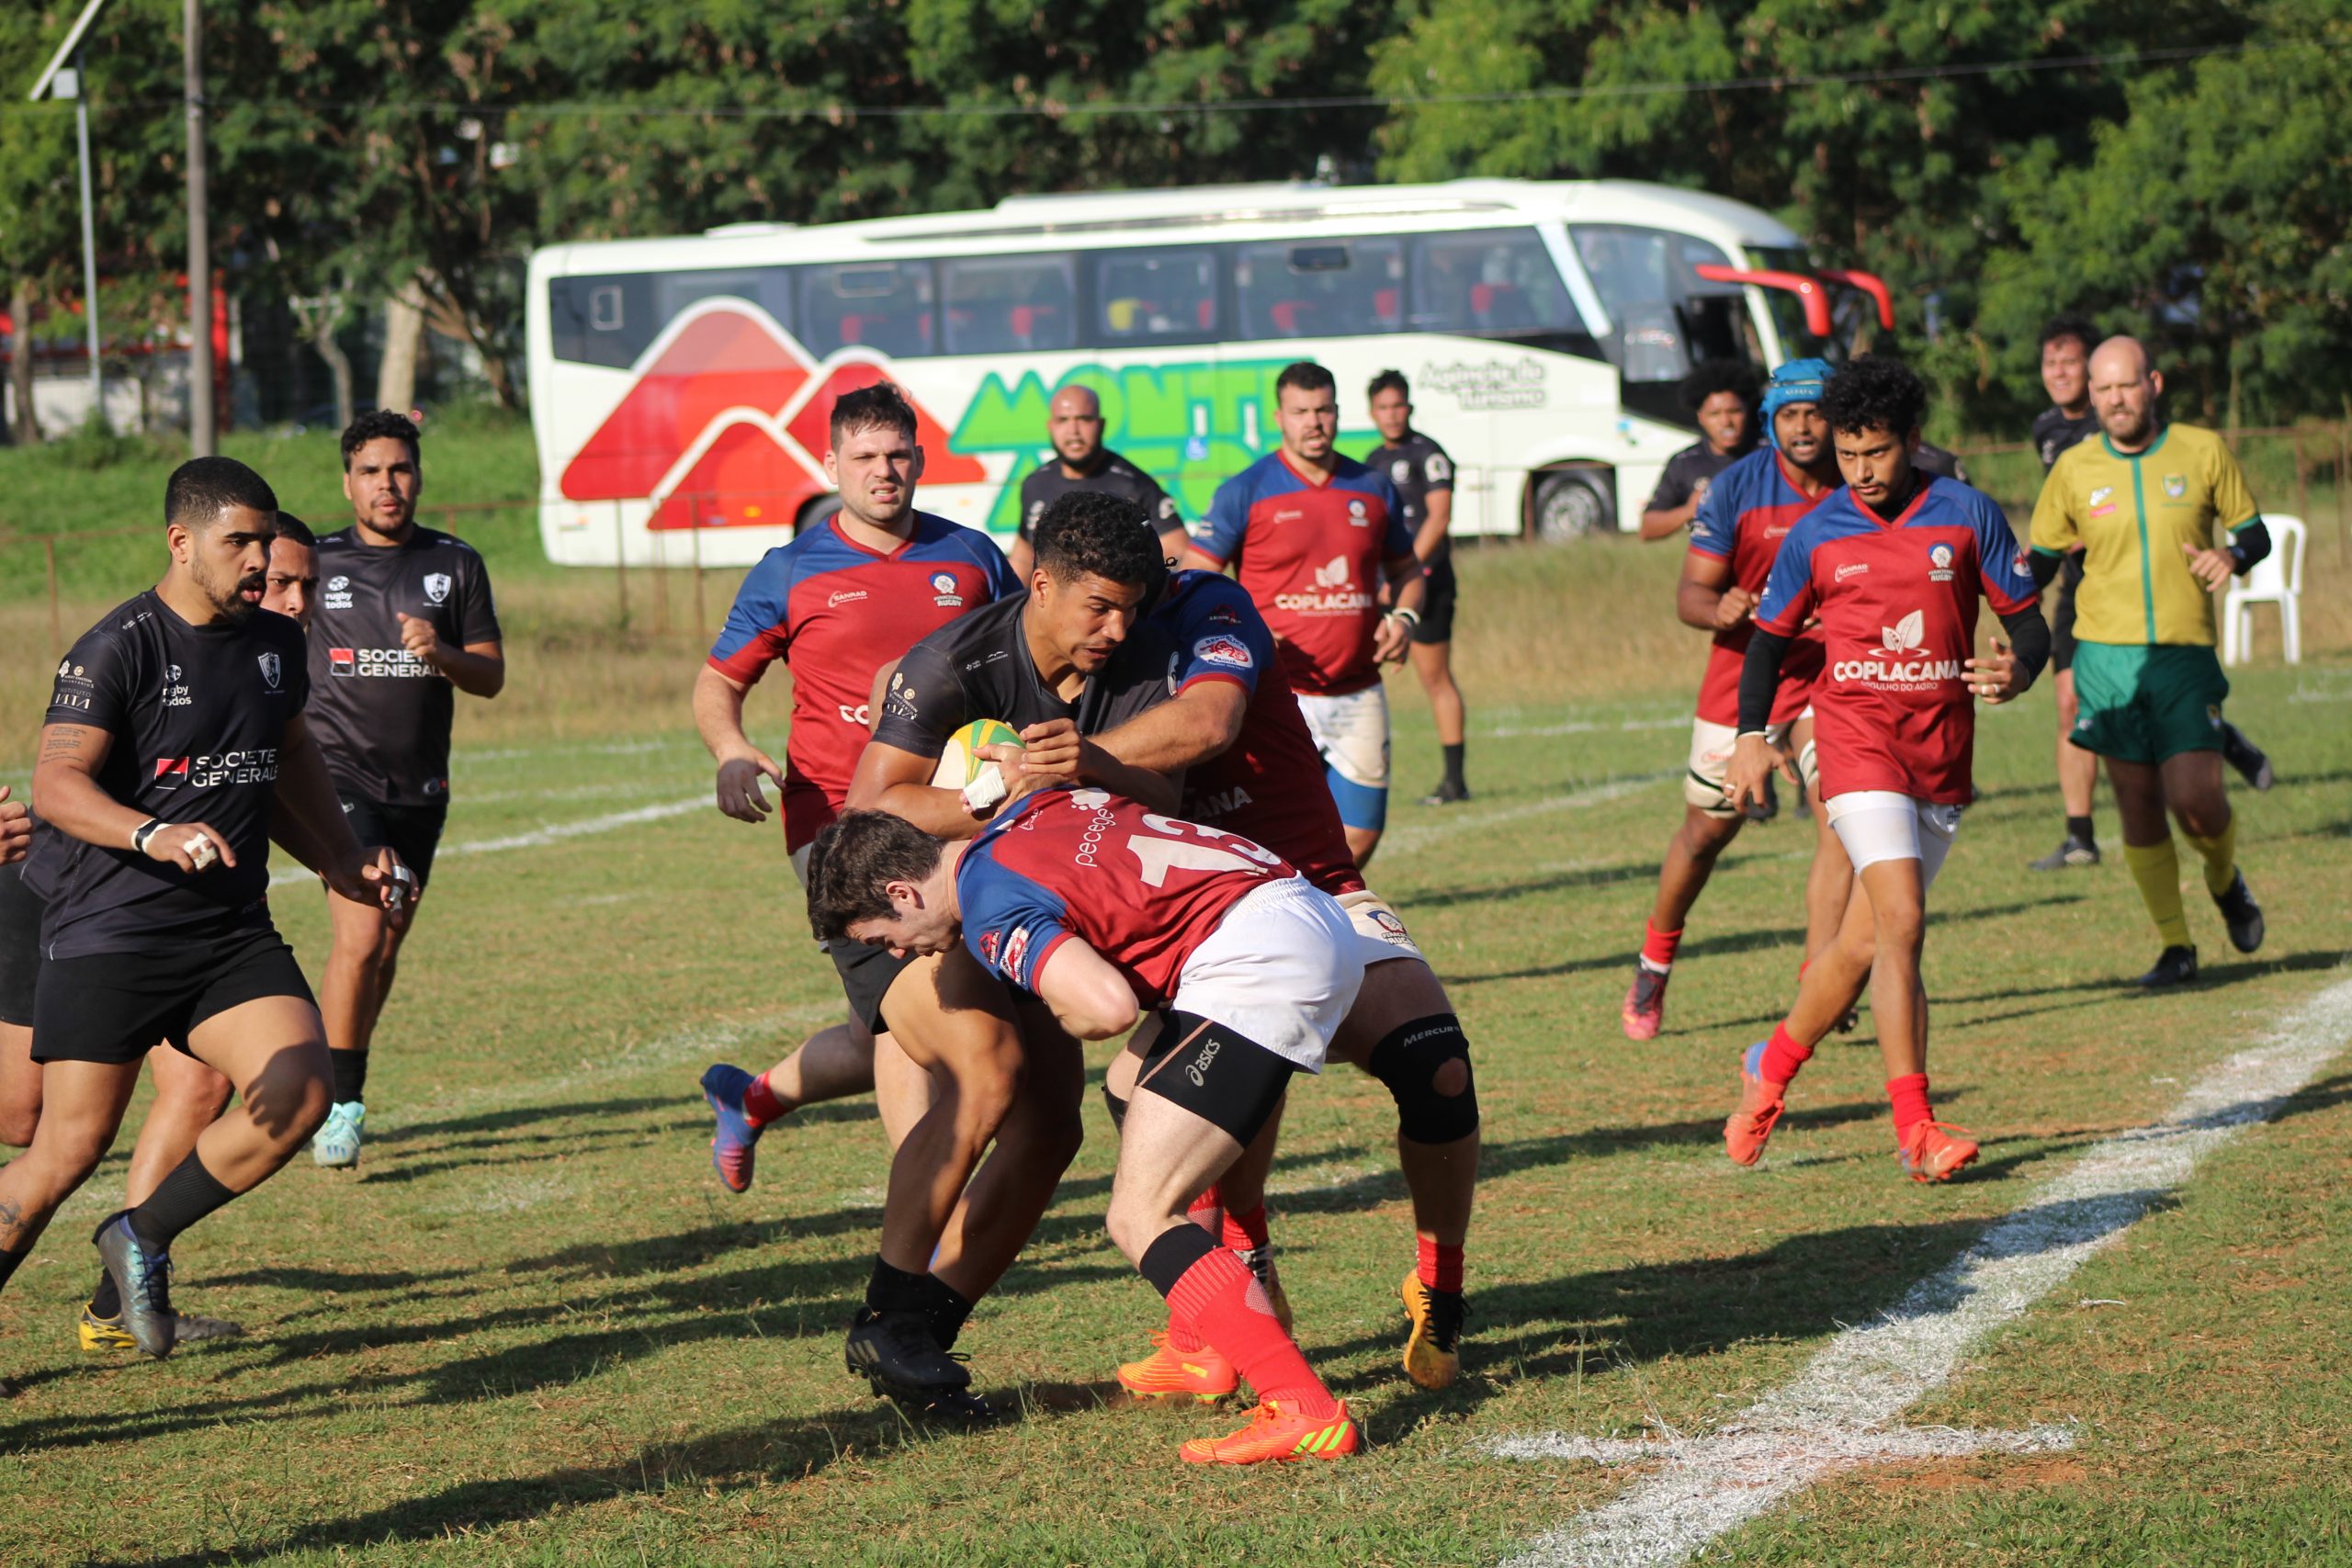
(1645, 1009)
(1936, 1153)
(1432, 1351)
(1274, 1435)
(1750, 1126)
(1171, 1374)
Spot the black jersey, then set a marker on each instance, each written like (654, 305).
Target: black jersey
(197, 715)
(979, 667)
(1416, 466)
(1113, 474)
(381, 713)
(1687, 472)
(2054, 429)
(1930, 458)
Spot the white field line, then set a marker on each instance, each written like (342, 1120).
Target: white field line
(1410, 840)
(1838, 1410)
(1585, 727)
(537, 837)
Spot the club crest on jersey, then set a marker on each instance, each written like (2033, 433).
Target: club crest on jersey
(270, 672)
(1400, 472)
(1228, 652)
(1940, 563)
(1357, 516)
(437, 586)
(2176, 485)
(943, 588)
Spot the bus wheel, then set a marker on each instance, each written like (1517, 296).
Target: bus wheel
(815, 512)
(1574, 504)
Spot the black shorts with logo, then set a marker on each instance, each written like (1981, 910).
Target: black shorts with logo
(413, 832)
(19, 946)
(114, 1007)
(1437, 602)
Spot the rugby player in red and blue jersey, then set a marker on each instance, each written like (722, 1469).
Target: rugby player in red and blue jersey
(1103, 910)
(1892, 567)
(1735, 537)
(1313, 535)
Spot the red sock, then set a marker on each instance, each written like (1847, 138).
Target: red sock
(760, 1104)
(1219, 1298)
(1782, 1056)
(1440, 1266)
(1658, 946)
(1246, 1230)
(1182, 1339)
(1207, 1210)
(1909, 1094)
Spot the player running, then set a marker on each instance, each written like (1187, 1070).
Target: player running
(1893, 566)
(405, 621)
(1721, 395)
(1080, 462)
(1234, 732)
(1423, 476)
(1735, 537)
(2141, 503)
(184, 701)
(1311, 535)
(1103, 910)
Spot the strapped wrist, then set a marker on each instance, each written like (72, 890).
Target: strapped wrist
(144, 832)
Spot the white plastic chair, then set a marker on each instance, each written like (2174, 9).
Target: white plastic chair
(2276, 579)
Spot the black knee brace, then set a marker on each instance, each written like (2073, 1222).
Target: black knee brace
(1408, 1061)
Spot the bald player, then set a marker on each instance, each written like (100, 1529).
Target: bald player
(1081, 461)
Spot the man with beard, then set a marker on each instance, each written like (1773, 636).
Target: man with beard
(1080, 462)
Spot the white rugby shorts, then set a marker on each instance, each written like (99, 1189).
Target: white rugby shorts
(1880, 824)
(1380, 931)
(1352, 732)
(1282, 970)
(1711, 749)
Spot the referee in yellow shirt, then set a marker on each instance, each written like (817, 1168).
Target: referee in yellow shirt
(2141, 502)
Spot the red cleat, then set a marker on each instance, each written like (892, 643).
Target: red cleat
(1936, 1153)
(1644, 1008)
(1750, 1126)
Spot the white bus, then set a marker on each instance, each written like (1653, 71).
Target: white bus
(681, 387)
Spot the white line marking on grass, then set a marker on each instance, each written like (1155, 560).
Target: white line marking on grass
(1585, 727)
(1838, 1411)
(537, 837)
(1420, 836)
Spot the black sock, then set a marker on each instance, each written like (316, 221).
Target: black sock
(895, 1289)
(946, 1308)
(8, 1261)
(2079, 829)
(106, 1301)
(350, 1074)
(186, 1196)
(1453, 762)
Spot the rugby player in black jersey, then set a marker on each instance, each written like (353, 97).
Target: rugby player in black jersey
(1423, 476)
(1074, 424)
(174, 734)
(1721, 395)
(403, 621)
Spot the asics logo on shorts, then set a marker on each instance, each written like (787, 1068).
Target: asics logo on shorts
(1197, 1069)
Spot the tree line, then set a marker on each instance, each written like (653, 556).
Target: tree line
(2173, 167)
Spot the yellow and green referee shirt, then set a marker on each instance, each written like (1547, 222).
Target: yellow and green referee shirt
(2130, 512)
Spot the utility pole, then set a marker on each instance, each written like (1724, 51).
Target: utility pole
(89, 234)
(201, 429)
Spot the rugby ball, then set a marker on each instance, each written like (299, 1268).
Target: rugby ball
(962, 769)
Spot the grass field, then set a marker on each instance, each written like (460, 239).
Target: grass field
(534, 1329)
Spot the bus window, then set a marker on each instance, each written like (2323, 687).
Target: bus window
(883, 305)
(1009, 304)
(768, 288)
(1327, 288)
(1165, 295)
(601, 319)
(1490, 283)
(1665, 317)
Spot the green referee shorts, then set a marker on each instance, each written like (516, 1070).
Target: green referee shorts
(2144, 702)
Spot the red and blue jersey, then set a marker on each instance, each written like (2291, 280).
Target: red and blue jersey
(1141, 889)
(836, 612)
(1749, 511)
(1898, 604)
(1310, 554)
(1269, 783)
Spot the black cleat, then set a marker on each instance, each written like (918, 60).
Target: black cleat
(2175, 967)
(2251, 761)
(144, 1281)
(1448, 792)
(2071, 852)
(894, 1351)
(953, 1407)
(2241, 914)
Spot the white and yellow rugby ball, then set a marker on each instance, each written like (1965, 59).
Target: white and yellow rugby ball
(962, 768)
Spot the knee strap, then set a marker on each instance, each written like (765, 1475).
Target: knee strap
(1408, 1061)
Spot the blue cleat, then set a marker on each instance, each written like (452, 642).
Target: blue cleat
(737, 1139)
(145, 1280)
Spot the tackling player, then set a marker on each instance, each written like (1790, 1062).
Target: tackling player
(1721, 395)
(1103, 910)
(1893, 566)
(2141, 503)
(184, 700)
(1312, 535)
(404, 623)
(1423, 476)
(1074, 426)
(1735, 539)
